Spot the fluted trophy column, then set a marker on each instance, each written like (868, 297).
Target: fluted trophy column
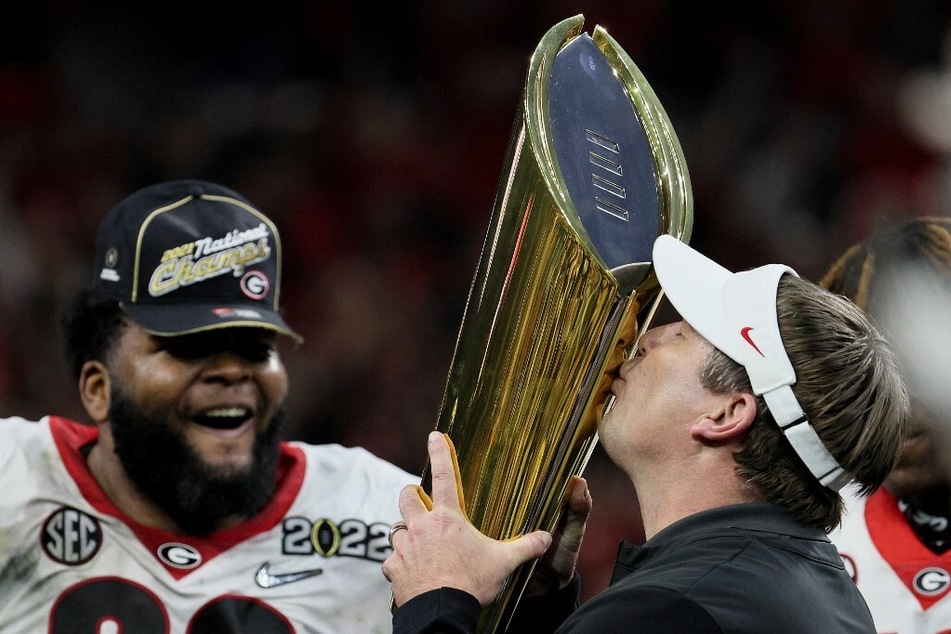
(593, 174)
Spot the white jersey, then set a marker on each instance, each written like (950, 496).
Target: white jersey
(310, 561)
(906, 585)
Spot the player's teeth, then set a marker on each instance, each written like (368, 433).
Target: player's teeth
(227, 412)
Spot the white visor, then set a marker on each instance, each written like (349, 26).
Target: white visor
(736, 312)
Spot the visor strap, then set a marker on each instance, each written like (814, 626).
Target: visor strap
(804, 439)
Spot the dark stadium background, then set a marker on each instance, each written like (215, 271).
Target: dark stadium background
(374, 134)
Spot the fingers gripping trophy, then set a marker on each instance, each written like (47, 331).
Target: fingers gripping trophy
(594, 173)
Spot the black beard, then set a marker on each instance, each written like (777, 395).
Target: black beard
(165, 468)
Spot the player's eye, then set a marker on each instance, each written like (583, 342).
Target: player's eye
(256, 351)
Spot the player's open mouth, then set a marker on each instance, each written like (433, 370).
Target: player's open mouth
(223, 417)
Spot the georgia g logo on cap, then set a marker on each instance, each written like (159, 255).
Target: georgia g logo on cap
(255, 285)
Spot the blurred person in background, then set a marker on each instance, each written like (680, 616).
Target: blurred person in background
(897, 543)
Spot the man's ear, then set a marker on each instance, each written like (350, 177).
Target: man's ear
(729, 422)
(95, 389)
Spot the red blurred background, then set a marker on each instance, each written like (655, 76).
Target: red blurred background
(375, 135)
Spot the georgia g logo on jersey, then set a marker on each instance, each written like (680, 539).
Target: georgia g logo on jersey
(931, 581)
(179, 555)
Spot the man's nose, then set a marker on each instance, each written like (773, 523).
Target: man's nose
(228, 366)
(649, 340)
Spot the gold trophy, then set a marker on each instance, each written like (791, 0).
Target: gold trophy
(594, 173)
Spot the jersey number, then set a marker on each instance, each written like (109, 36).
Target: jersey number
(109, 604)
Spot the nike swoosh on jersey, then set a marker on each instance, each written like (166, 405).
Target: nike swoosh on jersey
(264, 578)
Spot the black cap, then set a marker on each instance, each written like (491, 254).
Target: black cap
(189, 256)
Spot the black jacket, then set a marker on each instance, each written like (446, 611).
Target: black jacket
(741, 568)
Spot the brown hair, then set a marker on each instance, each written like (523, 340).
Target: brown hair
(848, 385)
(864, 272)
